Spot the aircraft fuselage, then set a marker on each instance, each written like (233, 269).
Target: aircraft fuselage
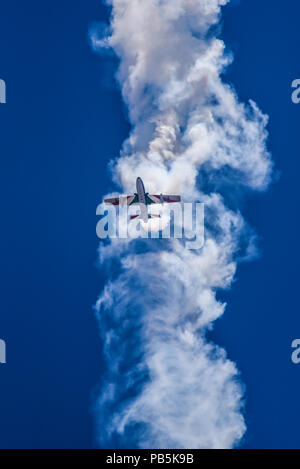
(141, 193)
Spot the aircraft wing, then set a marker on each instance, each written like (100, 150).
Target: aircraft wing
(160, 199)
(129, 200)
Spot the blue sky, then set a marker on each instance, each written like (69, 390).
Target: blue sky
(63, 121)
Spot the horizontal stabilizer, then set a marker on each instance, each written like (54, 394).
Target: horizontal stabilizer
(149, 216)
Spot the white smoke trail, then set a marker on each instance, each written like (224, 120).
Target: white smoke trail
(165, 385)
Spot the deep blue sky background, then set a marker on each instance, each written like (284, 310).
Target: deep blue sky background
(62, 123)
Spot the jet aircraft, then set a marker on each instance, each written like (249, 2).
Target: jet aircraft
(144, 199)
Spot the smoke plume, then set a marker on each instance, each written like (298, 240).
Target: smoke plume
(166, 385)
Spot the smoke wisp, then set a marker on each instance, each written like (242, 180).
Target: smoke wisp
(165, 385)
